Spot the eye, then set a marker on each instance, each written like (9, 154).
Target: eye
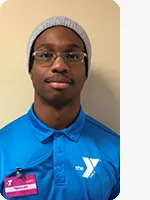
(46, 55)
(73, 56)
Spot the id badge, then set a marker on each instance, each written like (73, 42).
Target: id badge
(20, 186)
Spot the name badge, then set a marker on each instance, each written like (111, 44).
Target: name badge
(20, 186)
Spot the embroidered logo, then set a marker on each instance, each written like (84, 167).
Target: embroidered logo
(90, 163)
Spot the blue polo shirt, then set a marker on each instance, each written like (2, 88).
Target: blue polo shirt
(80, 162)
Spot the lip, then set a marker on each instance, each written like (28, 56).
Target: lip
(59, 85)
(58, 82)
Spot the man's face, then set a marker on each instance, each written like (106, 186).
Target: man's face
(60, 83)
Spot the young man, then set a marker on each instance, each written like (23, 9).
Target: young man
(56, 151)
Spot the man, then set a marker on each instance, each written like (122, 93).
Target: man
(56, 151)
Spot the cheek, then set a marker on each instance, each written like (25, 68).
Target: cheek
(79, 82)
(80, 75)
(37, 77)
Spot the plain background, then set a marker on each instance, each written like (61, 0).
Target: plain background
(101, 20)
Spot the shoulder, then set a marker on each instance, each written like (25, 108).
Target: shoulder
(13, 125)
(105, 139)
(101, 128)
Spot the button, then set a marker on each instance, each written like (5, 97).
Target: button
(59, 150)
(57, 134)
(60, 167)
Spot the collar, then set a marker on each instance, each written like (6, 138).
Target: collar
(43, 131)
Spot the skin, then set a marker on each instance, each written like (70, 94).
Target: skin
(57, 104)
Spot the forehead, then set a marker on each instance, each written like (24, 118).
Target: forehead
(59, 37)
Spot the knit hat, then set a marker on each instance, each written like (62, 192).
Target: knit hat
(59, 21)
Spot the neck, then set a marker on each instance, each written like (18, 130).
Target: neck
(57, 118)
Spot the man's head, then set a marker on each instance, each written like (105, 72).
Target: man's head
(59, 56)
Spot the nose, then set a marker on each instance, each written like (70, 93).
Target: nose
(59, 66)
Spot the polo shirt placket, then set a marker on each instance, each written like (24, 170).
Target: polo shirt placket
(59, 159)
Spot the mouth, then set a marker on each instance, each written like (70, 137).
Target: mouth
(58, 83)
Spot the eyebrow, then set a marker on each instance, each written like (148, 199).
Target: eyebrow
(68, 46)
(74, 46)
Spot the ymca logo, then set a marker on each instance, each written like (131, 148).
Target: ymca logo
(90, 163)
(9, 182)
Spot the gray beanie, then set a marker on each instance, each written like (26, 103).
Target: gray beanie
(59, 21)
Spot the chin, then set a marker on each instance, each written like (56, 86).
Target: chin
(60, 100)
(57, 103)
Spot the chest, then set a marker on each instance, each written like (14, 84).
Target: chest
(64, 170)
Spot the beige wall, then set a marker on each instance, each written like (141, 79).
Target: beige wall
(101, 20)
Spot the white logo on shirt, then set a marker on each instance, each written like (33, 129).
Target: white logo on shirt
(90, 163)
(79, 168)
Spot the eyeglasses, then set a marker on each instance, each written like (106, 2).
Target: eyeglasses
(50, 57)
